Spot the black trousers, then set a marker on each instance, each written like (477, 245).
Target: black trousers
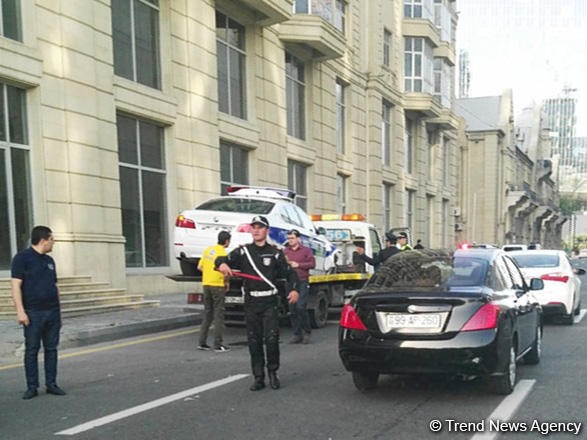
(262, 332)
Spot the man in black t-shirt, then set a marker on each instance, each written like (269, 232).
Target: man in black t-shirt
(36, 299)
(263, 264)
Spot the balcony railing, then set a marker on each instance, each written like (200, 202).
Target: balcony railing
(333, 11)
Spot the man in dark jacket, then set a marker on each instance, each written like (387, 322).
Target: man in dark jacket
(379, 258)
(262, 264)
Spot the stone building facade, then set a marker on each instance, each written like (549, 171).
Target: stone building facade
(118, 114)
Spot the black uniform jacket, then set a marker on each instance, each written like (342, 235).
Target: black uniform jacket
(380, 256)
(269, 260)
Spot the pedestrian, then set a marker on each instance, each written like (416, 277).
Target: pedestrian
(419, 245)
(402, 242)
(261, 264)
(301, 259)
(36, 299)
(214, 286)
(358, 264)
(381, 256)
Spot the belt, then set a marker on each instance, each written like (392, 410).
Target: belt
(259, 293)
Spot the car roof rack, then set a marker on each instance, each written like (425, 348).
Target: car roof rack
(260, 191)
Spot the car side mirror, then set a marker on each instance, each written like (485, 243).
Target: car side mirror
(537, 284)
(320, 230)
(579, 271)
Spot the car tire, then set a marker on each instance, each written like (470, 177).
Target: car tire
(505, 383)
(578, 309)
(189, 269)
(365, 380)
(319, 313)
(533, 356)
(568, 318)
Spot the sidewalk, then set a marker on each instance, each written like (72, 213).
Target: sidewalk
(174, 312)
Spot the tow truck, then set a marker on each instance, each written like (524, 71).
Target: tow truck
(331, 289)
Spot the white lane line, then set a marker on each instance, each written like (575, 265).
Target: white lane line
(506, 409)
(580, 316)
(149, 405)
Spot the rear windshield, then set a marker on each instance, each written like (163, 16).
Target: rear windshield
(428, 269)
(537, 260)
(240, 205)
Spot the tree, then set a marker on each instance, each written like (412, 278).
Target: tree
(569, 205)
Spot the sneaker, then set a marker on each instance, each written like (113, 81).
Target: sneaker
(306, 338)
(221, 348)
(205, 347)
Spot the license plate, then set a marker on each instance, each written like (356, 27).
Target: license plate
(428, 320)
(234, 299)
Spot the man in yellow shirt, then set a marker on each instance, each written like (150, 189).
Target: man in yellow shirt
(214, 286)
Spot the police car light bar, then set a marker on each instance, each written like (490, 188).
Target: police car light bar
(244, 190)
(339, 217)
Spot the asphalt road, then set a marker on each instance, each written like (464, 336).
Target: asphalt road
(161, 387)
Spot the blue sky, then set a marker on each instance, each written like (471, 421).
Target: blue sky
(535, 47)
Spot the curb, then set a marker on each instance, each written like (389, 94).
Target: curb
(89, 337)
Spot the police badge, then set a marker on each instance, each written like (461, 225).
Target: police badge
(266, 261)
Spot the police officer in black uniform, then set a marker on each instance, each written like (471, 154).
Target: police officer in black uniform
(266, 263)
(380, 257)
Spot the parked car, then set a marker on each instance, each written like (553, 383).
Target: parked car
(583, 253)
(514, 247)
(562, 286)
(196, 229)
(471, 313)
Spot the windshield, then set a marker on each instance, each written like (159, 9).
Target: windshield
(537, 260)
(240, 205)
(428, 269)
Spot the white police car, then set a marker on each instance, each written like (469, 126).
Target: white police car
(198, 228)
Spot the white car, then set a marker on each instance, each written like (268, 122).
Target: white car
(514, 247)
(196, 229)
(562, 286)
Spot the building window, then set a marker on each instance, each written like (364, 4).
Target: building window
(10, 23)
(141, 157)
(432, 141)
(410, 208)
(444, 144)
(295, 96)
(333, 11)
(442, 82)
(418, 65)
(386, 48)
(296, 180)
(418, 9)
(409, 138)
(387, 206)
(230, 47)
(340, 116)
(234, 166)
(386, 117)
(443, 19)
(135, 35)
(15, 188)
(341, 193)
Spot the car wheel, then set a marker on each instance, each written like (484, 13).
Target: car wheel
(319, 314)
(568, 318)
(505, 383)
(188, 268)
(365, 380)
(578, 309)
(533, 356)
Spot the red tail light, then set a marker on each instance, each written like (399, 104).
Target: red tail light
(484, 319)
(245, 227)
(350, 319)
(184, 222)
(555, 277)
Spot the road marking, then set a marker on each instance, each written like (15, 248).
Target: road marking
(580, 316)
(149, 405)
(506, 409)
(112, 346)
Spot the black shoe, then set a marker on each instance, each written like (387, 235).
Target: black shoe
(274, 380)
(221, 348)
(259, 384)
(54, 389)
(204, 347)
(30, 393)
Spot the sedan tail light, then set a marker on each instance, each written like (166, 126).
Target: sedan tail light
(555, 277)
(184, 222)
(484, 319)
(349, 319)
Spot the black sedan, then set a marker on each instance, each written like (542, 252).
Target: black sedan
(470, 313)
